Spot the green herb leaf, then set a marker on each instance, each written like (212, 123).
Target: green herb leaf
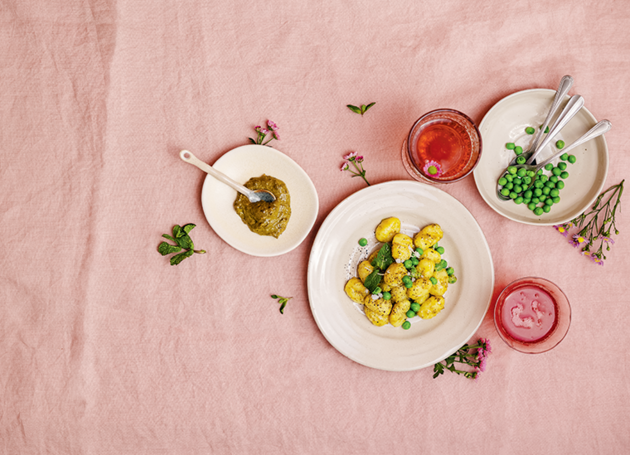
(166, 248)
(188, 227)
(383, 258)
(274, 296)
(284, 303)
(372, 280)
(181, 256)
(367, 107)
(354, 109)
(177, 231)
(185, 241)
(166, 236)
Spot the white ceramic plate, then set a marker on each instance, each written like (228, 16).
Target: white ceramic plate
(506, 122)
(241, 164)
(336, 253)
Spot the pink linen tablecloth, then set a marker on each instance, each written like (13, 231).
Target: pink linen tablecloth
(106, 349)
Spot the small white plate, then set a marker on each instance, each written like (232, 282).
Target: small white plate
(336, 252)
(506, 122)
(241, 164)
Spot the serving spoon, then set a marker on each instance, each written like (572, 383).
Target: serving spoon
(599, 129)
(253, 195)
(563, 88)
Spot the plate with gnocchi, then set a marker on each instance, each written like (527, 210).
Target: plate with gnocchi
(400, 276)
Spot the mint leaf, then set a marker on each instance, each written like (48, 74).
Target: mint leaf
(177, 231)
(181, 256)
(354, 109)
(365, 108)
(166, 248)
(383, 258)
(188, 227)
(185, 242)
(166, 236)
(372, 280)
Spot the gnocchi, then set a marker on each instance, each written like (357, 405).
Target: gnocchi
(406, 276)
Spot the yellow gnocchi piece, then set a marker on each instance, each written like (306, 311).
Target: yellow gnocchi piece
(364, 269)
(387, 229)
(431, 307)
(394, 274)
(355, 290)
(432, 255)
(380, 306)
(425, 268)
(419, 290)
(399, 293)
(433, 230)
(402, 246)
(377, 319)
(442, 283)
(384, 286)
(399, 313)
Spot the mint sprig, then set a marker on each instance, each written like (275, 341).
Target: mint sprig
(360, 109)
(282, 301)
(184, 245)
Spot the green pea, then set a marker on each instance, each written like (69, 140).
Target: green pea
(440, 249)
(509, 185)
(549, 166)
(449, 271)
(560, 144)
(546, 208)
(518, 200)
(527, 180)
(530, 130)
(433, 280)
(562, 166)
(509, 146)
(538, 184)
(505, 192)
(415, 307)
(408, 284)
(553, 178)
(521, 172)
(521, 160)
(572, 159)
(517, 181)
(556, 199)
(511, 170)
(564, 156)
(550, 184)
(554, 192)
(546, 129)
(377, 290)
(502, 181)
(363, 242)
(537, 192)
(513, 195)
(518, 189)
(564, 175)
(526, 201)
(560, 185)
(411, 314)
(441, 265)
(544, 178)
(531, 174)
(531, 205)
(546, 190)
(387, 295)
(406, 325)
(548, 201)
(420, 251)
(518, 149)
(415, 260)
(538, 211)
(528, 194)
(542, 197)
(556, 171)
(408, 264)
(406, 279)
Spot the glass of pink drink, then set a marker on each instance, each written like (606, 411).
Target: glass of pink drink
(532, 315)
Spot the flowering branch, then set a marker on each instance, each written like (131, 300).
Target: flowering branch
(263, 132)
(356, 160)
(594, 235)
(472, 355)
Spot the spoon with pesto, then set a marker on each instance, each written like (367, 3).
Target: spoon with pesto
(252, 195)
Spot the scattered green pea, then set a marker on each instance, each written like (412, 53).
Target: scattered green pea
(560, 144)
(564, 175)
(518, 149)
(415, 260)
(535, 200)
(408, 284)
(550, 184)
(549, 166)
(440, 249)
(518, 200)
(521, 172)
(433, 280)
(505, 192)
(528, 194)
(509, 177)
(556, 171)
(553, 179)
(511, 170)
(411, 314)
(408, 264)
(526, 201)
(538, 211)
(537, 192)
(546, 190)
(542, 197)
(560, 185)
(510, 146)
(387, 295)
(449, 272)
(546, 129)
(518, 189)
(562, 166)
(530, 130)
(564, 156)
(406, 279)
(415, 307)
(406, 325)
(554, 192)
(546, 208)
(572, 159)
(521, 160)
(513, 195)
(556, 199)
(502, 181)
(420, 251)
(363, 241)
(531, 205)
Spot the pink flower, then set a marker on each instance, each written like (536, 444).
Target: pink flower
(272, 126)
(577, 240)
(607, 240)
(350, 156)
(485, 348)
(563, 229)
(264, 131)
(432, 169)
(345, 166)
(258, 128)
(597, 260)
(359, 159)
(275, 135)
(482, 365)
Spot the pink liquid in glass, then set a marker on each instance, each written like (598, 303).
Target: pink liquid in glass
(528, 314)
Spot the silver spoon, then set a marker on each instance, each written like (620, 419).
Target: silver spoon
(252, 195)
(570, 110)
(563, 88)
(599, 129)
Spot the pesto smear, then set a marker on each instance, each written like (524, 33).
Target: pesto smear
(265, 218)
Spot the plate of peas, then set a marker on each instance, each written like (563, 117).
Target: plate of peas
(564, 188)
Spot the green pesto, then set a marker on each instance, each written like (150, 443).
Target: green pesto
(265, 218)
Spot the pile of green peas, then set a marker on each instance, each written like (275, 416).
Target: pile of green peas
(545, 191)
(407, 280)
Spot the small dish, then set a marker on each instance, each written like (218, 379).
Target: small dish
(336, 253)
(241, 164)
(506, 122)
(532, 315)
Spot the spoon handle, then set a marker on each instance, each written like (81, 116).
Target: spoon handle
(600, 128)
(572, 107)
(565, 85)
(220, 176)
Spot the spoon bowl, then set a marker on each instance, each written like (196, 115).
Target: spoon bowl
(253, 195)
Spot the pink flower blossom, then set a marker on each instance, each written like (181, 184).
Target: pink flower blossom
(272, 126)
(276, 136)
(607, 240)
(577, 240)
(432, 169)
(350, 155)
(563, 229)
(359, 159)
(345, 166)
(258, 128)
